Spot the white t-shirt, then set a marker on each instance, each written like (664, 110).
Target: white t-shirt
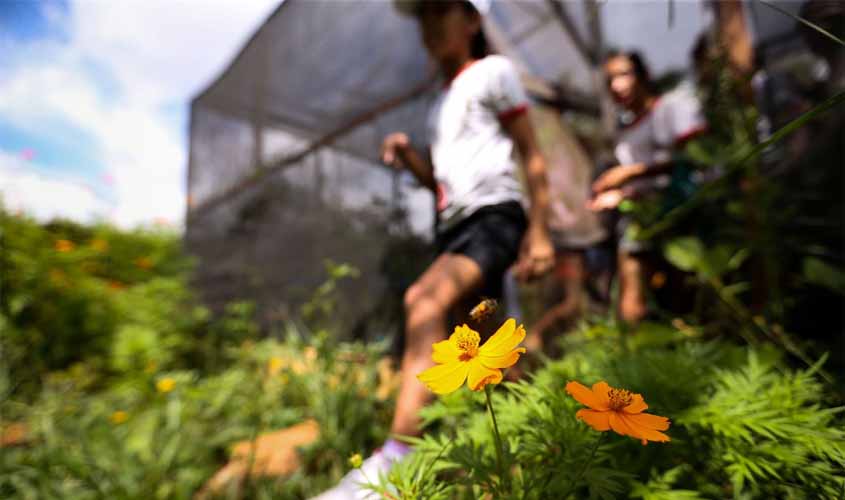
(675, 117)
(471, 153)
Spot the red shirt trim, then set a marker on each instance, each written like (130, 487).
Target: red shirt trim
(509, 115)
(461, 70)
(641, 117)
(689, 134)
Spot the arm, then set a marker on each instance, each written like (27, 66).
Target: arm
(620, 174)
(631, 190)
(537, 253)
(396, 150)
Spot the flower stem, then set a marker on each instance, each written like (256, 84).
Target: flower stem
(584, 467)
(497, 436)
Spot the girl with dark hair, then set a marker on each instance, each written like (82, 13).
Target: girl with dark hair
(652, 128)
(477, 120)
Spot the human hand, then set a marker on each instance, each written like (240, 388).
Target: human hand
(617, 176)
(536, 255)
(607, 200)
(393, 149)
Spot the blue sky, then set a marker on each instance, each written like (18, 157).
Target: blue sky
(94, 96)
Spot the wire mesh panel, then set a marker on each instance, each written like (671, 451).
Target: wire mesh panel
(284, 172)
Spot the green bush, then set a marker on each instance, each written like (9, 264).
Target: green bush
(743, 426)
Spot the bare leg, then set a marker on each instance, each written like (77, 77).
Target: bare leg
(632, 299)
(427, 302)
(569, 271)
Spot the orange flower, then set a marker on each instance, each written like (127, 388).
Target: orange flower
(144, 262)
(116, 285)
(658, 279)
(64, 246)
(619, 410)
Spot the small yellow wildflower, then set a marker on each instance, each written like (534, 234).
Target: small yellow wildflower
(459, 358)
(64, 246)
(119, 417)
(389, 379)
(165, 385)
(299, 367)
(99, 244)
(275, 365)
(355, 460)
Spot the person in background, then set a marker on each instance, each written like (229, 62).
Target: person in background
(652, 128)
(477, 120)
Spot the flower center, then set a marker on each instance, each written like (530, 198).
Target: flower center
(619, 398)
(467, 342)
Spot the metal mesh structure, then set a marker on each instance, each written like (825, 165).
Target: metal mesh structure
(283, 165)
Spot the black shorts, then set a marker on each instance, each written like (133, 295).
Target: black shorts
(491, 237)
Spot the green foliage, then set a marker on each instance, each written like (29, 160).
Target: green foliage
(743, 425)
(93, 318)
(65, 285)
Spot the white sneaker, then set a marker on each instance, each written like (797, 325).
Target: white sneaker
(354, 485)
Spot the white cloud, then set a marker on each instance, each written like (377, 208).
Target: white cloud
(121, 68)
(46, 198)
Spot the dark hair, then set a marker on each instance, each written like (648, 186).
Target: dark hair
(701, 48)
(637, 61)
(478, 46)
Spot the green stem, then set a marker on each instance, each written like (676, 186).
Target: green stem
(497, 437)
(584, 467)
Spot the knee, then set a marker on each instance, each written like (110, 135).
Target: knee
(420, 301)
(632, 309)
(412, 294)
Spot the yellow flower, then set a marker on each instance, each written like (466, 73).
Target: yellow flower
(119, 417)
(64, 245)
(165, 385)
(275, 365)
(389, 380)
(460, 358)
(299, 367)
(99, 245)
(618, 409)
(355, 460)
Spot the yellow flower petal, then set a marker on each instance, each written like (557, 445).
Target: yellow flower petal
(480, 375)
(504, 340)
(443, 379)
(598, 420)
(445, 352)
(504, 361)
